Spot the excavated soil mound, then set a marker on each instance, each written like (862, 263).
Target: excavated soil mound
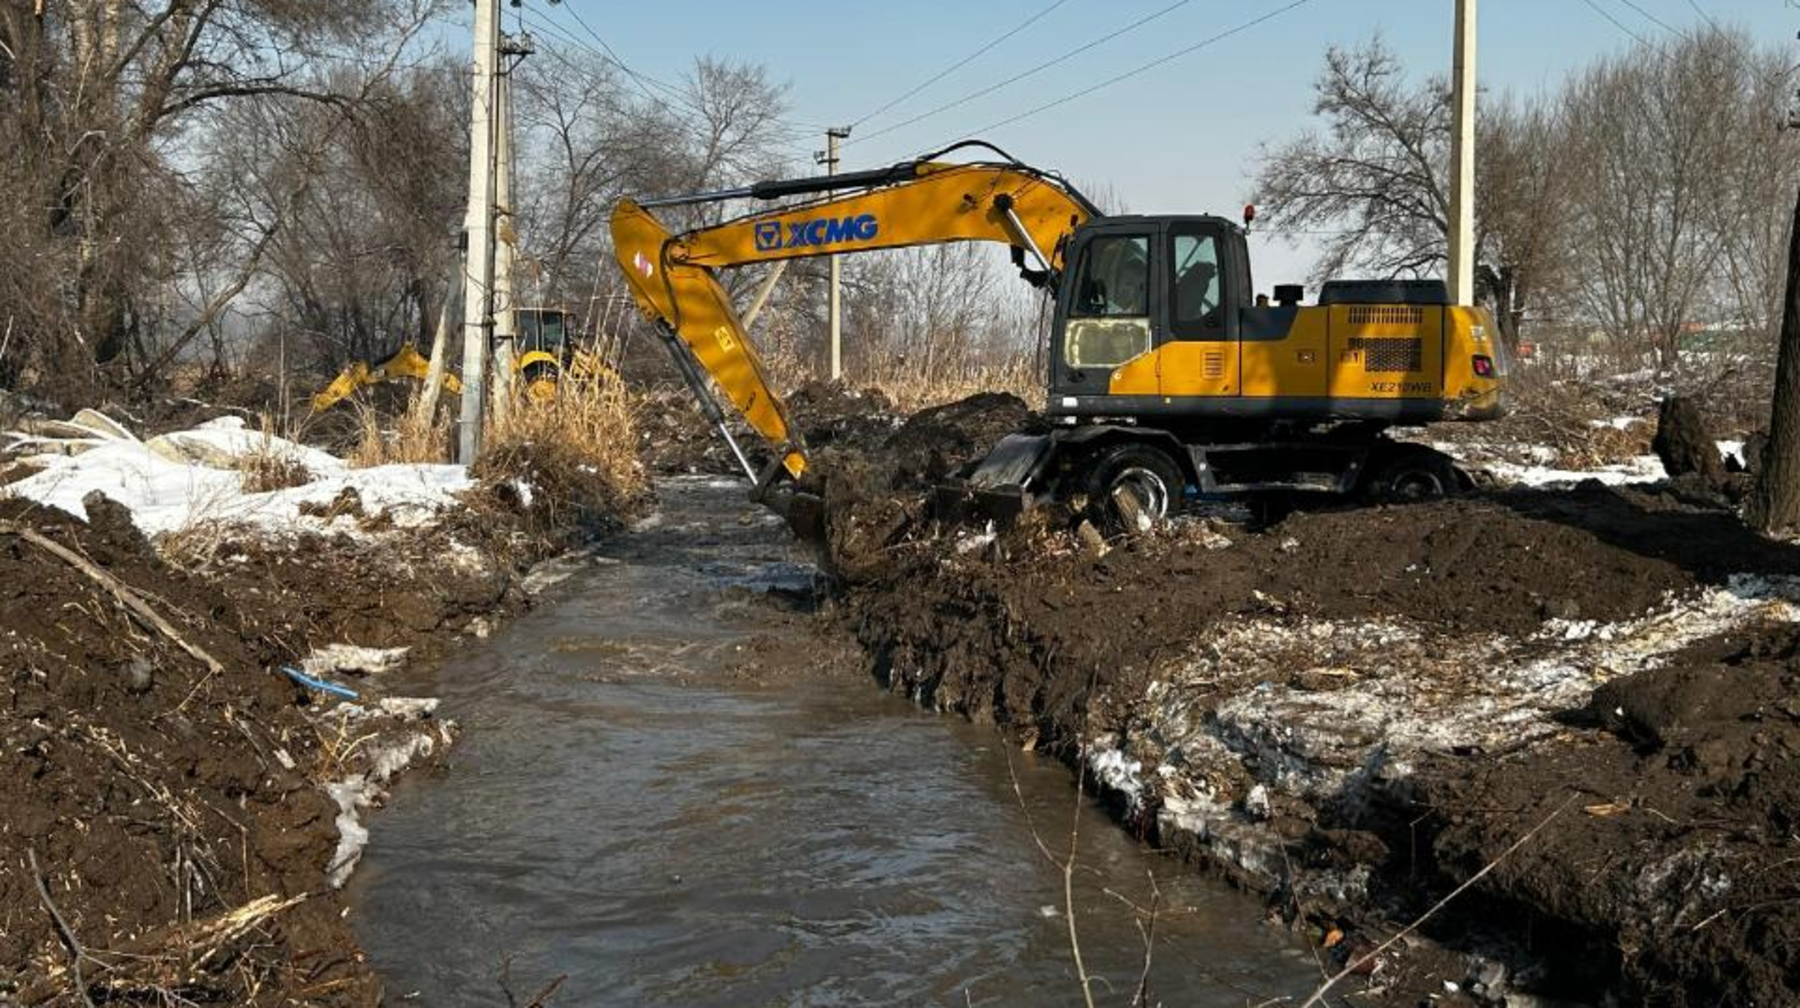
(1016, 632)
(676, 438)
(1675, 859)
(161, 802)
(877, 498)
(833, 414)
(148, 792)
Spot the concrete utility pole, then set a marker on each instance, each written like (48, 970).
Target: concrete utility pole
(478, 226)
(834, 312)
(1462, 159)
(506, 232)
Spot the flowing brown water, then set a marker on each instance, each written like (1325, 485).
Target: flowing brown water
(621, 811)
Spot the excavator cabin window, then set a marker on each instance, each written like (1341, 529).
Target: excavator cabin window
(540, 329)
(1109, 322)
(1197, 308)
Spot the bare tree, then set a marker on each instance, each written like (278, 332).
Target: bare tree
(1373, 176)
(98, 101)
(1522, 182)
(1373, 181)
(1651, 131)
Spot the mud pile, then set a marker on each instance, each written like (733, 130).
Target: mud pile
(1674, 859)
(1356, 710)
(176, 813)
(877, 493)
(676, 438)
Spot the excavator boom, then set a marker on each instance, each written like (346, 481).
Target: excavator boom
(913, 203)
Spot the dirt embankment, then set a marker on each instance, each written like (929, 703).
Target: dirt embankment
(675, 438)
(1359, 710)
(176, 818)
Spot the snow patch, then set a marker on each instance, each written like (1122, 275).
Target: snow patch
(400, 734)
(1640, 469)
(1387, 690)
(343, 658)
(187, 478)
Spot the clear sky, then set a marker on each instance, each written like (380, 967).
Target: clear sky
(1181, 137)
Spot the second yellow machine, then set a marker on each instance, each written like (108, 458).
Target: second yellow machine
(1168, 375)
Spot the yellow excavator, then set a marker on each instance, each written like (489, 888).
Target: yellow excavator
(1168, 378)
(546, 353)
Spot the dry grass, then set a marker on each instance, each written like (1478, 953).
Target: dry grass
(568, 462)
(273, 465)
(911, 392)
(414, 437)
(911, 388)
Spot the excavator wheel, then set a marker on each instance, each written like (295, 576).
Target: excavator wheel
(1413, 473)
(1131, 487)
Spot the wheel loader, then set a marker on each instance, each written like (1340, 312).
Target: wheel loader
(1169, 377)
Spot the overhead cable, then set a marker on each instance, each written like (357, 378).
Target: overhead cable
(965, 61)
(1015, 78)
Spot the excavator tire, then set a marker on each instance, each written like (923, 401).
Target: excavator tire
(1413, 473)
(1131, 487)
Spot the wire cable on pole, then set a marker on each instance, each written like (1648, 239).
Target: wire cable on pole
(1146, 67)
(1047, 64)
(674, 92)
(1616, 23)
(965, 61)
(1653, 19)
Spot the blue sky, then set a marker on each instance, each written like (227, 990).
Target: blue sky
(1178, 138)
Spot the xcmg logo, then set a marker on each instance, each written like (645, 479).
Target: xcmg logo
(774, 234)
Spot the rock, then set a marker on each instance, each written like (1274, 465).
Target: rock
(1091, 538)
(1487, 979)
(1683, 443)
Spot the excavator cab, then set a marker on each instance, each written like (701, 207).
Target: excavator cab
(1142, 294)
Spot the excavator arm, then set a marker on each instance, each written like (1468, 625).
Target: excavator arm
(923, 202)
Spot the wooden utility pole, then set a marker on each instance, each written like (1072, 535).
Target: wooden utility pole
(1462, 158)
(478, 226)
(834, 316)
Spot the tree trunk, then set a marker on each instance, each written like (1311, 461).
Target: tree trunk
(1775, 505)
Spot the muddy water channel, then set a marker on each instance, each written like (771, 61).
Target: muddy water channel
(626, 810)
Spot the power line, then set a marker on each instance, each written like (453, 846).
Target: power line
(784, 141)
(965, 61)
(1708, 18)
(1653, 19)
(1146, 67)
(1047, 64)
(662, 85)
(671, 95)
(1616, 23)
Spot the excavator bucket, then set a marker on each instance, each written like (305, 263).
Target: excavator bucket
(803, 510)
(1002, 486)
